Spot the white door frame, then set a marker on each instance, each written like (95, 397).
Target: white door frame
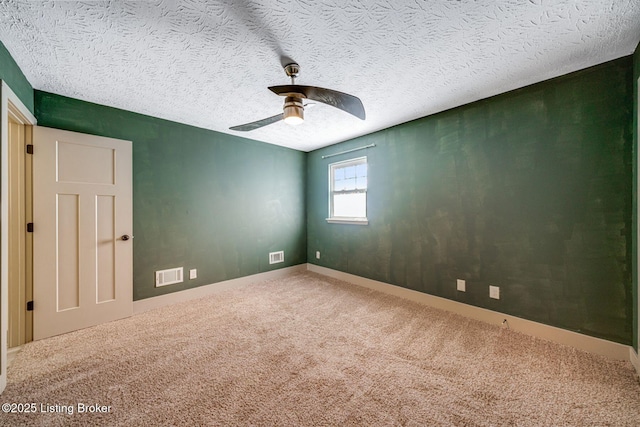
(8, 100)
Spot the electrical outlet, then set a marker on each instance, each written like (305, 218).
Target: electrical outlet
(494, 292)
(317, 254)
(461, 285)
(193, 273)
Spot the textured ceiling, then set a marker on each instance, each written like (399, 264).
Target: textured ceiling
(208, 63)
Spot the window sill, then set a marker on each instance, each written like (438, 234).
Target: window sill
(354, 221)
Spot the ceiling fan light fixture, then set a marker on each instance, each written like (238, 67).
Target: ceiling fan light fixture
(293, 111)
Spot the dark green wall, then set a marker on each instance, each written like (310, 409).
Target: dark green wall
(530, 191)
(636, 76)
(13, 76)
(201, 199)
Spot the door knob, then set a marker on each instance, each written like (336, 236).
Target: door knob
(126, 237)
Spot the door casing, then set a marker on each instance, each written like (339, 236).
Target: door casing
(9, 104)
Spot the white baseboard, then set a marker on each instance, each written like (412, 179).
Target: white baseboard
(143, 305)
(635, 361)
(599, 346)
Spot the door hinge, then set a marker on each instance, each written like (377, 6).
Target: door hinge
(30, 227)
(29, 148)
(29, 305)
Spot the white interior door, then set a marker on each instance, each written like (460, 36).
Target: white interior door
(82, 215)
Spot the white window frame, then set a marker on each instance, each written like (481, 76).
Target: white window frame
(347, 220)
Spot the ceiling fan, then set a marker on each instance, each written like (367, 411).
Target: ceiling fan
(293, 111)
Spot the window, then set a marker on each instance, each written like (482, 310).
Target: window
(348, 191)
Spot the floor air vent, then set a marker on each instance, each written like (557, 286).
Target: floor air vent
(169, 277)
(276, 257)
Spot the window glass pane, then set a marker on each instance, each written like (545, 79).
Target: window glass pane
(339, 185)
(350, 184)
(338, 173)
(350, 172)
(361, 170)
(361, 183)
(350, 205)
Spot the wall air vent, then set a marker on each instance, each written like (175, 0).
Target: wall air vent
(276, 257)
(169, 277)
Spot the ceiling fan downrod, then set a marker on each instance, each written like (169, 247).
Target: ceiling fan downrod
(292, 71)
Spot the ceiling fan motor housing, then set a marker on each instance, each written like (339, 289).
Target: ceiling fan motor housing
(293, 110)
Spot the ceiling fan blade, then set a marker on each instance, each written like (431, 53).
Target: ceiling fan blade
(258, 124)
(343, 101)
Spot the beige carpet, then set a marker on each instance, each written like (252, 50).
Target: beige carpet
(313, 351)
